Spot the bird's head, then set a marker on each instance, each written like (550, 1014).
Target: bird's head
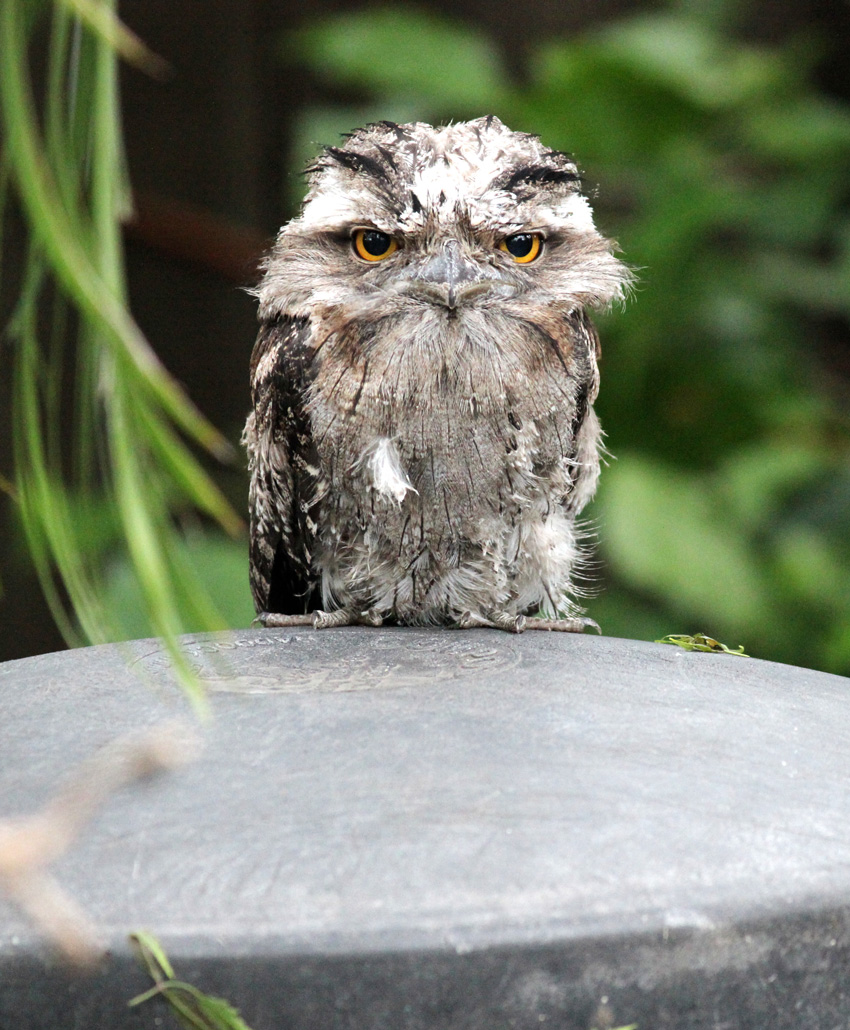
(451, 220)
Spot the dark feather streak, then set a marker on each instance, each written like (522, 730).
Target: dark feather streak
(362, 164)
(280, 569)
(539, 175)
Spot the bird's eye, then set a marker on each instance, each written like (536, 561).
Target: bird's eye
(523, 247)
(372, 245)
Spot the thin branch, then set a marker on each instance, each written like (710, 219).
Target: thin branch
(30, 844)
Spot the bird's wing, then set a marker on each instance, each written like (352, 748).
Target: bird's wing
(282, 464)
(585, 432)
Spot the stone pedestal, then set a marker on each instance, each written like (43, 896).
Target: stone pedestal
(402, 829)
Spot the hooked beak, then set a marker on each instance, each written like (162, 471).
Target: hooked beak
(450, 277)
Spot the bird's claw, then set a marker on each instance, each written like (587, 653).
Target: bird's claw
(504, 621)
(319, 619)
(520, 623)
(347, 617)
(492, 620)
(572, 625)
(276, 620)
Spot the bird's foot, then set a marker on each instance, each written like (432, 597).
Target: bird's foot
(573, 625)
(346, 617)
(520, 623)
(504, 621)
(319, 619)
(491, 620)
(276, 620)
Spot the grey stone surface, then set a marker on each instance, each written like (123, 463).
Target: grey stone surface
(424, 828)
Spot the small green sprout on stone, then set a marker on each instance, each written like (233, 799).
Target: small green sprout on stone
(192, 1008)
(701, 642)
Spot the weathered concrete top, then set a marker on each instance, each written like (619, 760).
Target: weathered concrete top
(408, 792)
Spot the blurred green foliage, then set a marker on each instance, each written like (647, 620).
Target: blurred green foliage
(123, 473)
(724, 174)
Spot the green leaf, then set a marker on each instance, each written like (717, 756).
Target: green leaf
(405, 52)
(191, 1007)
(667, 533)
(802, 129)
(218, 566)
(700, 642)
(756, 481)
(151, 952)
(811, 569)
(580, 85)
(688, 57)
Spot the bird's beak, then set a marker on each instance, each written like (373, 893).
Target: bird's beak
(450, 277)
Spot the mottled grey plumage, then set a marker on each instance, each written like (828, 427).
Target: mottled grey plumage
(423, 434)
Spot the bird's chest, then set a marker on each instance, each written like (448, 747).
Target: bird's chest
(456, 454)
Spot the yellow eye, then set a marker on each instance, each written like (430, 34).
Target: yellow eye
(523, 247)
(372, 245)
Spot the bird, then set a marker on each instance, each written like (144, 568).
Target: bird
(422, 437)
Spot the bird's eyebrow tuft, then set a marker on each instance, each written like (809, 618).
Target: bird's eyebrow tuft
(538, 175)
(360, 163)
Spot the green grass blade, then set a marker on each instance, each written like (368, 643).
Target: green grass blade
(191, 1007)
(60, 233)
(128, 470)
(179, 463)
(104, 22)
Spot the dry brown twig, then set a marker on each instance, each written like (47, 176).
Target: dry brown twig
(30, 844)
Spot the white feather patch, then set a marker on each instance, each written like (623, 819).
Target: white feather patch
(388, 477)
